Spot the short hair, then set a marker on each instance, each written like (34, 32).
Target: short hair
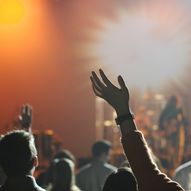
(123, 179)
(100, 147)
(17, 150)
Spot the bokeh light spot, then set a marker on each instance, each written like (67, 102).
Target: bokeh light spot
(11, 11)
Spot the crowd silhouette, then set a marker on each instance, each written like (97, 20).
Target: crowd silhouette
(19, 157)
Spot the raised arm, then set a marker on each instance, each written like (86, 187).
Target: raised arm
(118, 98)
(145, 170)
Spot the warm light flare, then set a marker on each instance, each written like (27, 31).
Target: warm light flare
(23, 37)
(144, 49)
(11, 11)
(149, 42)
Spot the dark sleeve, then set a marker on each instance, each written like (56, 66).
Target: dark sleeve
(148, 175)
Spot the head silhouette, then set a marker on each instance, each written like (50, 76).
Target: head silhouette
(100, 150)
(18, 153)
(63, 175)
(122, 180)
(64, 153)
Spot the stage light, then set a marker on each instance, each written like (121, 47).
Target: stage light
(11, 11)
(144, 44)
(133, 48)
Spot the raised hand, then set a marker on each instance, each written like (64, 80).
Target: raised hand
(25, 117)
(118, 98)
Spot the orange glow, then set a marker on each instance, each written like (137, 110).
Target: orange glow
(24, 38)
(11, 11)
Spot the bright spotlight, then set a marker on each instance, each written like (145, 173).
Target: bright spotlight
(148, 46)
(11, 11)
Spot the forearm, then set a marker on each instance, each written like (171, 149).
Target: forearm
(135, 147)
(140, 159)
(127, 127)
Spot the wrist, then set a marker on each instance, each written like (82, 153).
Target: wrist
(125, 117)
(123, 111)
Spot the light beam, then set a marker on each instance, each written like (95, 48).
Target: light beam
(148, 43)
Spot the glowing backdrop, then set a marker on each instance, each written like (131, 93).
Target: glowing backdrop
(148, 42)
(49, 47)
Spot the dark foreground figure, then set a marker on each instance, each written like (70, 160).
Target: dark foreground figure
(18, 159)
(121, 180)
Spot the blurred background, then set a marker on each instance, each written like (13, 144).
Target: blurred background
(49, 47)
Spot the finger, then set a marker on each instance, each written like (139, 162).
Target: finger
(97, 80)
(23, 110)
(94, 84)
(104, 78)
(96, 89)
(29, 110)
(122, 83)
(26, 109)
(97, 93)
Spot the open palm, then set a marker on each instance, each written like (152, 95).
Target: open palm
(118, 98)
(25, 117)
